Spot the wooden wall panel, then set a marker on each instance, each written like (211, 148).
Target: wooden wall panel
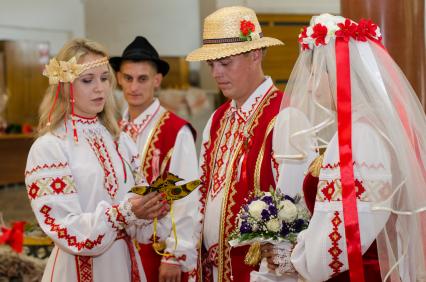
(279, 60)
(178, 76)
(24, 81)
(403, 28)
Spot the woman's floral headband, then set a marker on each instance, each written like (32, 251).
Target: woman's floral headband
(62, 71)
(325, 27)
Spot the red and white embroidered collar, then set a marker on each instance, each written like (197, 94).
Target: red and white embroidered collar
(247, 109)
(137, 126)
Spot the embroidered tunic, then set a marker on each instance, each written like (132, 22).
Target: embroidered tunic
(237, 158)
(166, 143)
(321, 253)
(77, 193)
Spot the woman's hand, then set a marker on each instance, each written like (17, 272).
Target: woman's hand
(268, 253)
(170, 272)
(278, 257)
(150, 206)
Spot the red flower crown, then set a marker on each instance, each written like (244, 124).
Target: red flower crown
(326, 26)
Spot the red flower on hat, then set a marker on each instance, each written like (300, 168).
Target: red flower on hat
(319, 34)
(347, 30)
(366, 29)
(246, 28)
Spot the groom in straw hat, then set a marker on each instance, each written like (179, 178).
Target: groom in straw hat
(237, 158)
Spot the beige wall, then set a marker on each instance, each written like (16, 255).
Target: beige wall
(287, 6)
(53, 21)
(173, 27)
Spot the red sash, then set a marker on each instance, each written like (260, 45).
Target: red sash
(257, 153)
(155, 161)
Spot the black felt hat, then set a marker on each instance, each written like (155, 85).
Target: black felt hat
(140, 49)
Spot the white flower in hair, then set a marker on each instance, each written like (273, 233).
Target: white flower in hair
(256, 207)
(288, 212)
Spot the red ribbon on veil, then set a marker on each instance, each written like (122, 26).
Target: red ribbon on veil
(344, 125)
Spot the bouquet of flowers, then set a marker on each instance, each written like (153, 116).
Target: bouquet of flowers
(269, 217)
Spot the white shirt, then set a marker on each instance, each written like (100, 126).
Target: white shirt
(184, 164)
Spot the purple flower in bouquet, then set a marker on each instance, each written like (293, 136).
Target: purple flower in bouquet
(265, 215)
(284, 230)
(273, 211)
(268, 199)
(245, 227)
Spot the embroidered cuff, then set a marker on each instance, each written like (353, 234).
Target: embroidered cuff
(121, 215)
(170, 258)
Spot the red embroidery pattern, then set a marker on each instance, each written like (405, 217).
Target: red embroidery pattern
(246, 115)
(51, 186)
(62, 232)
(335, 251)
(84, 265)
(363, 164)
(134, 129)
(332, 191)
(46, 166)
(228, 143)
(213, 255)
(173, 257)
(276, 166)
(193, 273)
(116, 218)
(86, 120)
(101, 152)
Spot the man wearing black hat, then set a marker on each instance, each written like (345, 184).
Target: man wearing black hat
(166, 144)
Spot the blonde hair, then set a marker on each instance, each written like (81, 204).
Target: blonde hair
(62, 109)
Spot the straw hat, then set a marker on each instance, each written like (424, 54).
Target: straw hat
(231, 31)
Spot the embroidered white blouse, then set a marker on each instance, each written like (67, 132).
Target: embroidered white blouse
(77, 192)
(183, 163)
(321, 249)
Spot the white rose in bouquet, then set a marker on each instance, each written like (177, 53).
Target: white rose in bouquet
(255, 209)
(273, 225)
(288, 211)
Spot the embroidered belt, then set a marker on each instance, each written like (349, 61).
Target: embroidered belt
(212, 257)
(134, 265)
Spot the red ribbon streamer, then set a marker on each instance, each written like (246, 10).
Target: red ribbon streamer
(14, 237)
(344, 124)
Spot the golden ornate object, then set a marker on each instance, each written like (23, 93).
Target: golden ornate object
(62, 71)
(159, 246)
(315, 166)
(253, 255)
(167, 185)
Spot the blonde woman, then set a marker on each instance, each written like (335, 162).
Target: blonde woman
(79, 171)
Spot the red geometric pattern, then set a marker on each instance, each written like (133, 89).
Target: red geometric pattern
(116, 218)
(134, 129)
(172, 257)
(51, 186)
(228, 144)
(332, 191)
(86, 120)
(62, 232)
(275, 165)
(98, 146)
(84, 266)
(335, 251)
(46, 166)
